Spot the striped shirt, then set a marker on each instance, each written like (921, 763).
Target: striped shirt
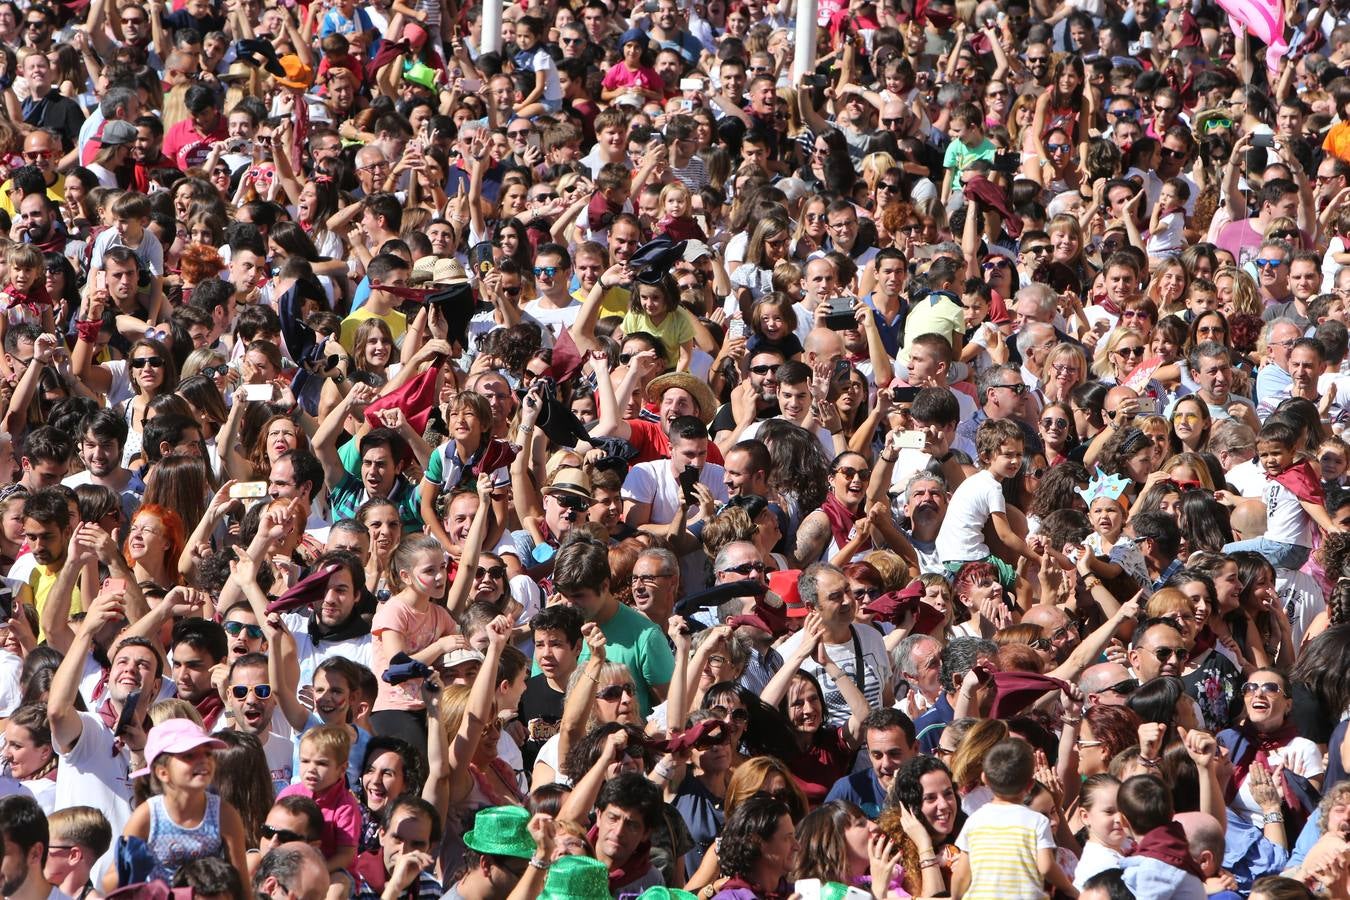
(1003, 840)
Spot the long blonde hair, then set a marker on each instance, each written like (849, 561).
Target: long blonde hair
(968, 760)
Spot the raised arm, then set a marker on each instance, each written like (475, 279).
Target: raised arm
(464, 744)
(62, 716)
(577, 706)
(457, 598)
(325, 440)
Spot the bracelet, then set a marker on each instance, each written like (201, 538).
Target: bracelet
(889, 459)
(525, 429)
(540, 863)
(928, 863)
(1069, 721)
(1148, 763)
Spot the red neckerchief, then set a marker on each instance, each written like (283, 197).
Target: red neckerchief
(1107, 304)
(109, 717)
(31, 300)
(1205, 639)
(841, 519)
(1167, 844)
(637, 865)
(140, 178)
(1260, 745)
(210, 708)
(1302, 482)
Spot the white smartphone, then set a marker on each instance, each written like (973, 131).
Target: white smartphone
(258, 392)
(910, 440)
(807, 888)
(471, 85)
(1147, 406)
(691, 84)
(248, 490)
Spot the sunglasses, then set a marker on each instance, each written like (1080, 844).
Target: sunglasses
(1218, 124)
(1054, 422)
(216, 371)
(546, 271)
(747, 567)
(281, 835)
(739, 716)
(612, 693)
(241, 691)
(490, 571)
(1130, 351)
(990, 265)
(577, 504)
(1165, 654)
(892, 123)
(1040, 643)
(512, 291)
(1263, 263)
(1018, 389)
(154, 362)
(708, 741)
(254, 632)
(762, 370)
(1128, 686)
(1265, 688)
(893, 187)
(1173, 154)
(1284, 235)
(1059, 148)
(865, 593)
(851, 473)
(1130, 114)
(1038, 249)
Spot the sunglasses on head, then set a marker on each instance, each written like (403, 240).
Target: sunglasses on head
(241, 691)
(154, 362)
(612, 693)
(234, 629)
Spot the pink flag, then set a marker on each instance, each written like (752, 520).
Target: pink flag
(1264, 19)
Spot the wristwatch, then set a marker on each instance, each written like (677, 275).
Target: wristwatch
(1271, 818)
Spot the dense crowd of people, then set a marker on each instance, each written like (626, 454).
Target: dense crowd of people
(644, 455)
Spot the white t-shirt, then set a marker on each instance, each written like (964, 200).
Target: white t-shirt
(1302, 598)
(1286, 520)
(654, 483)
(1248, 477)
(310, 656)
(1299, 748)
(961, 537)
(554, 319)
(876, 666)
(91, 774)
(1096, 858)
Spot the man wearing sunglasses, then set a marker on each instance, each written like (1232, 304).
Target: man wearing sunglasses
(1107, 684)
(1279, 198)
(1002, 394)
(251, 708)
(1159, 649)
(292, 819)
(1272, 267)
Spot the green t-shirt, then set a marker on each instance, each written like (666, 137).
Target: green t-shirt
(958, 155)
(632, 639)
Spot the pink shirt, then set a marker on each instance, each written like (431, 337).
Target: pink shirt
(341, 814)
(419, 631)
(621, 76)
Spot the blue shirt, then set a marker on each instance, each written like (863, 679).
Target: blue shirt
(930, 724)
(1249, 854)
(861, 788)
(890, 332)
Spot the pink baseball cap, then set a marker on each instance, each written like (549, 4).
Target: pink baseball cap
(175, 736)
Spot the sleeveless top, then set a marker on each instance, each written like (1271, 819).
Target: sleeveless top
(174, 845)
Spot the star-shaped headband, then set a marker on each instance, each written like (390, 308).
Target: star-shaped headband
(1103, 485)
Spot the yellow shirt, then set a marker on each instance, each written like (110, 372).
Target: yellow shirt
(614, 303)
(397, 322)
(40, 582)
(56, 193)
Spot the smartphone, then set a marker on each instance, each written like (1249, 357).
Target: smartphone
(1146, 40)
(904, 394)
(687, 105)
(688, 478)
(815, 81)
(480, 257)
(650, 6)
(100, 280)
(1264, 141)
(691, 84)
(258, 393)
(736, 328)
(1147, 406)
(840, 317)
(471, 85)
(910, 440)
(841, 370)
(128, 716)
(237, 145)
(1007, 163)
(807, 888)
(113, 586)
(248, 490)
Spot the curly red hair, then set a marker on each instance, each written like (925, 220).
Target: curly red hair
(175, 538)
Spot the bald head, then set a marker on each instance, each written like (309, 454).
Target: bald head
(1248, 520)
(1204, 835)
(822, 345)
(1115, 397)
(1097, 681)
(1055, 625)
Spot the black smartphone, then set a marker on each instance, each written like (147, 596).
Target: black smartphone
(689, 478)
(816, 81)
(1007, 163)
(842, 368)
(841, 317)
(904, 394)
(1265, 141)
(128, 716)
(480, 257)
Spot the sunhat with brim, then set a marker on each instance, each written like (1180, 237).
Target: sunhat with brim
(298, 75)
(571, 482)
(175, 736)
(699, 390)
(577, 878)
(502, 831)
(238, 71)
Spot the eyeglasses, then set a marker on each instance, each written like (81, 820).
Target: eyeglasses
(1018, 389)
(519, 133)
(746, 568)
(1127, 686)
(1173, 154)
(739, 716)
(996, 92)
(1265, 688)
(1130, 351)
(154, 362)
(493, 572)
(35, 23)
(612, 693)
(851, 473)
(280, 835)
(261, 691)
(511, 291)
(650, 579)
(546, 271)
(1135, 314)
(1054, 422)
(216, 371)
(544, 198)
(568, 40)
(844, 225)
(1185, 417)
(234, 629)
(943, 751)
(1165, 654)
(1323, 179)
(1085, 745)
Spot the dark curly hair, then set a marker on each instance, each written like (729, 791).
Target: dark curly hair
(1057, 488)
(750, 825)
(907, 790)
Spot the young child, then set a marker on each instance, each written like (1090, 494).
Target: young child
(1294, 501)
(1098, 813)
(337, 692)
(677, 219)
(1008, 852)
(183, 819)
(1167, 224)
(968, 144)
(324, 752)
(1333, 457)
(773, 326)
(612, 190)
(128, 228)
(546, 95)
(1161, 867)
(1201, 297)
(24, 300)
(983, 338)
(979, 500)
(654, 309)
(1110, 551)
(630, 75)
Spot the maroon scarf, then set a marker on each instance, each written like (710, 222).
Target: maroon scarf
(108, 716)
(842, 520)
(1259, 748)
(1205, 639)
(210, 708)
(1167, 844)
(639, 864)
